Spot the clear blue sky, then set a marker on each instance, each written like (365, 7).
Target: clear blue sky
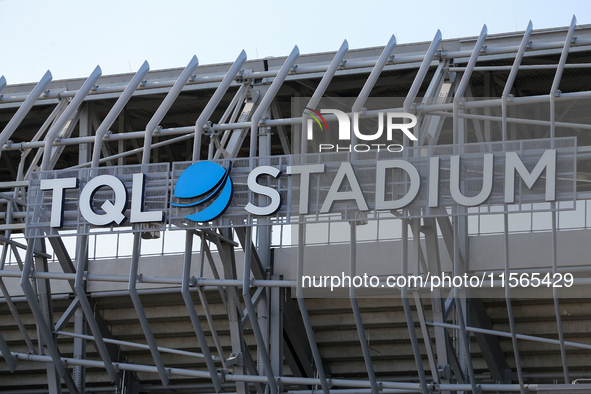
(70, 37)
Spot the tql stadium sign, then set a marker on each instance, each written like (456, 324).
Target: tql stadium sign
(496, 177)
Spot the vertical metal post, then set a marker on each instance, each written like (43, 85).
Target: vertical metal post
(459, 137)
(267, 302)
(464, 335)
(85, 130)
(408, 102)
(506, 94)
(437, 93)
(79, 373)
(236, 333)
(419, 303)
(437, 305)
(137, 303)
(276, 295)
(406, 305)
(553, 93)
(193, 313)
(79, 350)
(81, 258)
(265, 234)
(42, 326)
(202, 296)
(264, 252)
(2, 83)
(252, 313)
(121, 143)
(510, 308)
(357, 313)
(264, 230)
(304, 310)
(556, 302)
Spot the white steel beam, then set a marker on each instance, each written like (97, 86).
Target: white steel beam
(273, 386)
(42, 326)
(335, 64)
(372, 79)
(434, 109)
(404, 294)
(24, 109)
(461, 89)
(66, 116)
(268, 98)
(137, 303)
(109, 90)
(357, 313)
(193, 314)
(553, 93)
(115, 111)
(165, 106)
(214, 101)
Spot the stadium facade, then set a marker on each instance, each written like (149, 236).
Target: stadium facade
(243, 227)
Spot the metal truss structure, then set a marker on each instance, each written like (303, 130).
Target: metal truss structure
(215, 310)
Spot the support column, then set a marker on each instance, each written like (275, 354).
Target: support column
(44, 296)
(121, 143)
(85, 130)
(437, 304)
(79, 349)
(264, 252)
(238, 358)
(84, 156)
(276, 329)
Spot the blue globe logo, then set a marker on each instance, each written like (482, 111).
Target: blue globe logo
(206, 181)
